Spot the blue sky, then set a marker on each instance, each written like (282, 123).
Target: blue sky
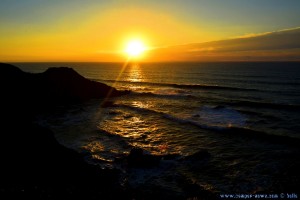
(261, 15)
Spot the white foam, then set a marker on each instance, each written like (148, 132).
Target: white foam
(220, 117)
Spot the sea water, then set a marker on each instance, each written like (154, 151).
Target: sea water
(245, 114)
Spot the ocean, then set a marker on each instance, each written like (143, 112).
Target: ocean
(244, 114)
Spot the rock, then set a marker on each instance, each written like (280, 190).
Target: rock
(199, 155)
(195, 191)
(107, 104)
(171, 156)
(137, 158)
(65, 83)
(60, 85)
(33, 163)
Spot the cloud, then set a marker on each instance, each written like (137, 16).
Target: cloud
(278, 45)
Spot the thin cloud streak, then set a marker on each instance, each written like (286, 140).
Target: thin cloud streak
(277, 45)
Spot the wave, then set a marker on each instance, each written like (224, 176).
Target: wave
(185, 86)
(250, 133)
(171, 117)
(225, 102)
(270, 105)
(237, 131)
(191, 119)
(161, 95)
(261, 82)
(257, 113)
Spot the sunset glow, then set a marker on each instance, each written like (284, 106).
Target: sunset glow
(179, 31)
(135, 48)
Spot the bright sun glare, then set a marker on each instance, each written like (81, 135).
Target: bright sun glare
(135, 48)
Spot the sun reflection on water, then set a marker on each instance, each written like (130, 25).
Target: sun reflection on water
(139, 104)
(135, 73)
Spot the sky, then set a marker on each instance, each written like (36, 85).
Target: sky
(93, 30)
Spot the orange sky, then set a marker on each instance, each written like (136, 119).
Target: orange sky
(45, 31)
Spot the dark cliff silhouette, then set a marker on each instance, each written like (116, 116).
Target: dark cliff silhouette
(33, 163)
(60, 85)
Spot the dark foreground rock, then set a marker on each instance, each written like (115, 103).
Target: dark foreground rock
(33, 164)
(138, 158)
(200, 155)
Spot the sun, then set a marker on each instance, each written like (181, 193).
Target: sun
(135, 48)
